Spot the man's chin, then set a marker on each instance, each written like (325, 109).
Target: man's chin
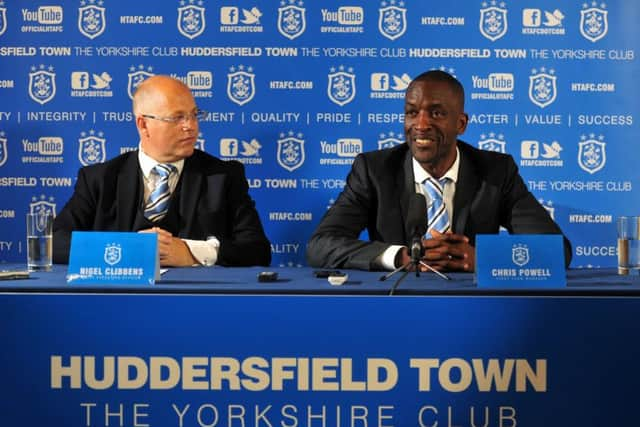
(186, 152)
(423, 155)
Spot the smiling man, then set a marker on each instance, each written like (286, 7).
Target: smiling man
(198, 205)
(468, 192)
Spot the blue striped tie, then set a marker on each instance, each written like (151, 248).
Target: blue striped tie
(158, 202)
(436, 213)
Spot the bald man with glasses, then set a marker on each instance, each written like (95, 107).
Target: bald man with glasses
(198, 205)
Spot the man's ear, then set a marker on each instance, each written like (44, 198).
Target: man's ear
(141, 124)
(463, 120)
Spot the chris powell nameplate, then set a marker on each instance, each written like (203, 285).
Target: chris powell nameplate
(520, 261)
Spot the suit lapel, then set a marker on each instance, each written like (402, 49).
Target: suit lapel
(191, 183)
(405, 184)
(127, 192)
(466, 188)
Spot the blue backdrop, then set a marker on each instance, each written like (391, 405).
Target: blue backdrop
(295, 90)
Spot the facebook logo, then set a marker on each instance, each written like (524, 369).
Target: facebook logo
(379, 81)
(228, 147)
(529, 149)
(79, 80)
(531, 17)
(228, 15)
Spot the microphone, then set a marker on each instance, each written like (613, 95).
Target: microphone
(417, 224)
(417, 227)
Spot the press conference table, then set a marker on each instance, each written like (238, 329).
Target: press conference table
(215, 347)
(301, 281)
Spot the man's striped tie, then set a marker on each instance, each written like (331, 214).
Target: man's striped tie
(158, 202)
(436, 213)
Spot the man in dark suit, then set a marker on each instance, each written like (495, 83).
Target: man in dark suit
(481, 191)
(209, 218)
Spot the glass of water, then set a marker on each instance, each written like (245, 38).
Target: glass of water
(628, 239)
(39, 241)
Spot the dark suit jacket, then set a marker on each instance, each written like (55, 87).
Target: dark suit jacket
(213, 201)
(489, 193)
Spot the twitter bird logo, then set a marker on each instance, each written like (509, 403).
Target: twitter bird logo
(551, 151)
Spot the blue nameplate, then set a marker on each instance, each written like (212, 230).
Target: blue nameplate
(520, 261)
(113, 258)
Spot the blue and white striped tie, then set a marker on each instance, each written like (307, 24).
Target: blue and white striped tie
(158, 202)
(436, 213)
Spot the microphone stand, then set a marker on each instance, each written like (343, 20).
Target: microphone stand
(416, 261)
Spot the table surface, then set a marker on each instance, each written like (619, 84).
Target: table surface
(301, 281)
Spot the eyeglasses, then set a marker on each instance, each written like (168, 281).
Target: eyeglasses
(180, 118)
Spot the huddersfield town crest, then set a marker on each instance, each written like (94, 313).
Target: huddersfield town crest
(520, 254)
(3, 19)
(42, 208)
(592, 155)
(389, 141)
(91, 21)
(3, 150)
(92, 150)
(191, 22)
(135, 78)
(341, 87)
(392, 21)
(493, 21)
(290, 152)
(291, 21)
(241, 86)
(542, 88)
(112, 253)
(593, 23)
(498, 145)
(42, 86)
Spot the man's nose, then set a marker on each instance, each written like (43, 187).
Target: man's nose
(189, 124)
(423, 120)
